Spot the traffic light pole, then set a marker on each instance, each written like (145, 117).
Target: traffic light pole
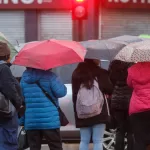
(87, 29)
(80, 30)
(93, 20)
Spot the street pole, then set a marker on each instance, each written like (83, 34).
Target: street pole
(92, 23)
(80, 30)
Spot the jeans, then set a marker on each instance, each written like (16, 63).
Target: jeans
(52, 137)
(141, 129)
(123, 128)
(96, 132)
(8, 133)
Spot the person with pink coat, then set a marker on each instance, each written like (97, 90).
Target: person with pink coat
(139, 109)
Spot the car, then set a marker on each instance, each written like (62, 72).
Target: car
(69, 133)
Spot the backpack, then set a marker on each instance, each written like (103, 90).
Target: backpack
(89, 101)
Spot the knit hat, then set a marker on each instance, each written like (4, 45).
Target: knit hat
(4, 49)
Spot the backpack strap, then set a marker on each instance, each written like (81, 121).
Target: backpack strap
(104, 96)
(106, 100)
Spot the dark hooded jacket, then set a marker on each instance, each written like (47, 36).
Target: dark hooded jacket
(9, 86)
(121, 93)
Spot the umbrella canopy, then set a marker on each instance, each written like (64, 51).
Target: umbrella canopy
(126, 39)
(50, 54)
(135, 52)
(21, 45)
(102, 49)
(12, 48)
(16, 70)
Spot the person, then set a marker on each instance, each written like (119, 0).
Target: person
(41, 115)
(101, 74)
(86, 74)
(11, 89)
(139, 110)
(120, 103)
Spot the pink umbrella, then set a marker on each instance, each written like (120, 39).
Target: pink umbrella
(50, 54)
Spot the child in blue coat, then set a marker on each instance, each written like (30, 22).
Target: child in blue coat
(41, 116)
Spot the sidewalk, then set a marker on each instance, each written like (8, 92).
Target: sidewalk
(66, 147)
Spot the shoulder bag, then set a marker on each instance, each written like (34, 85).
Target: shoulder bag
(22, 140)
(63, 120)
(7, 109)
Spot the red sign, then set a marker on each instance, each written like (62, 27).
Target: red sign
(35, 4)
(126, 3)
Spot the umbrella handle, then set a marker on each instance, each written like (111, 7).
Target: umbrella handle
(17, 43)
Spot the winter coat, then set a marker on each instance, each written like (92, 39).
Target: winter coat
(122, 92)
(9, 127)
(121, 96)
(105, 86)
(8, 85)
(40, 111)
(139, 80)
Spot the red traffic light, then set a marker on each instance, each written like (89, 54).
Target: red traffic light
(79, 9)
(80, 0)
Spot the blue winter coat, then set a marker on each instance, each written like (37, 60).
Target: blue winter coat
(40, 111)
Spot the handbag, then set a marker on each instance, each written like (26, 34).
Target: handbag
(22, 140)
(63, 119)
(7, 109)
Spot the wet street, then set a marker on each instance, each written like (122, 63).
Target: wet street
(66, 147)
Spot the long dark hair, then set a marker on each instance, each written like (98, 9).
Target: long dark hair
(84, 75)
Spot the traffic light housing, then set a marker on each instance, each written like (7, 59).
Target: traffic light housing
(79, 9)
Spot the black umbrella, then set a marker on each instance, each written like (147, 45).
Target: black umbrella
(107, 49)
(102, 49)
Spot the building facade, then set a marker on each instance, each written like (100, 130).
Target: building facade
(124, 17)
(29, 20)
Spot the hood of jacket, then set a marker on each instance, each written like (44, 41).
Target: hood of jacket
(31, 75)
(140, 73)
(139, 80)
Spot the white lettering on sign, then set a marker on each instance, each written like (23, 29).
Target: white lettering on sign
(134, 1)
(127, 1)
(116, 1)
(124, 1)
(26, 2)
